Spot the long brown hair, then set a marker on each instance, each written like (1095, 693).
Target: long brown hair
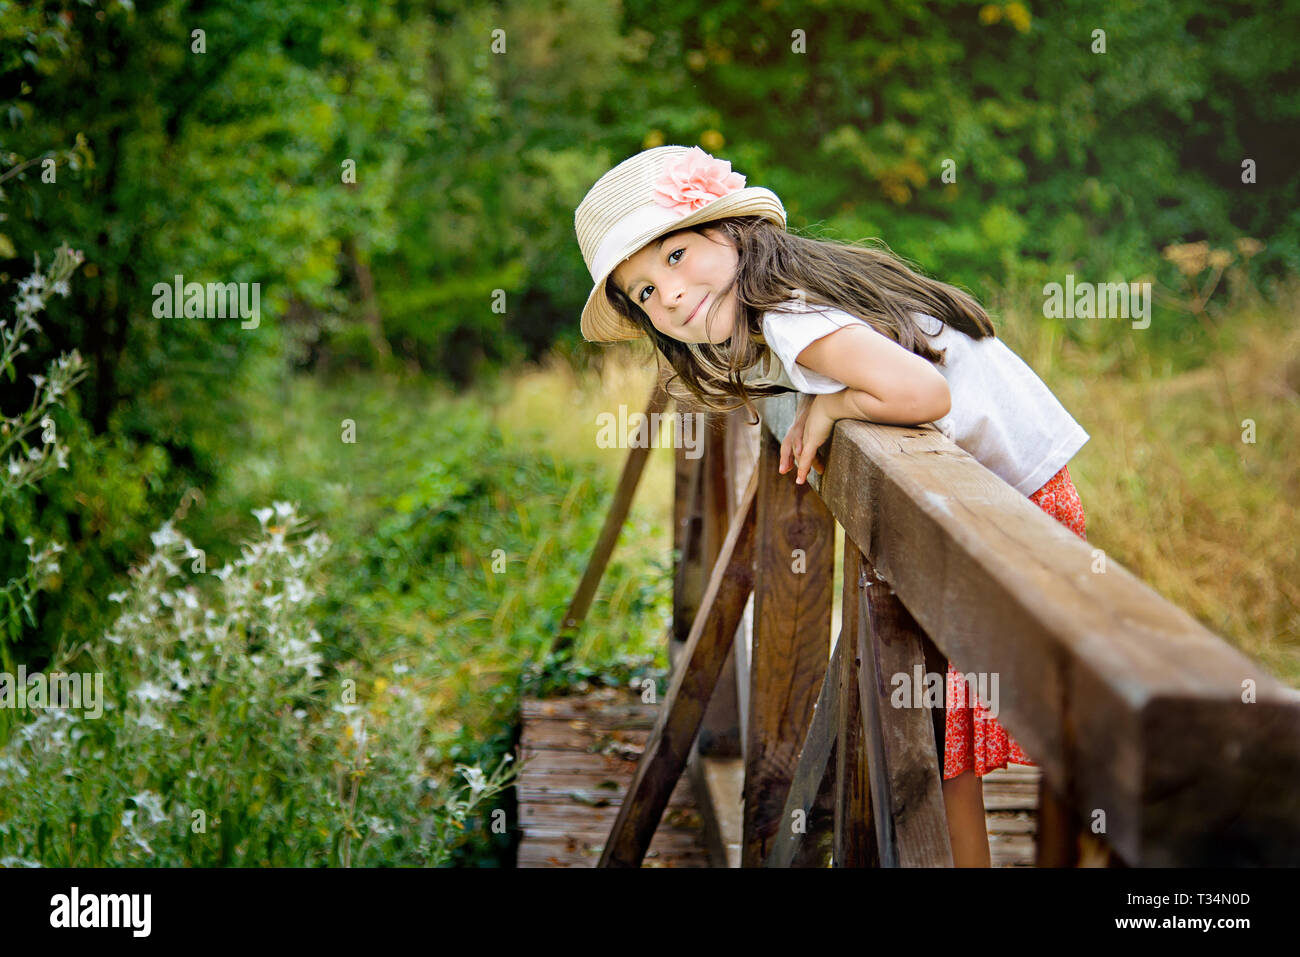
(871, 283)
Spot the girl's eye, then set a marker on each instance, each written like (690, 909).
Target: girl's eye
(640, 297)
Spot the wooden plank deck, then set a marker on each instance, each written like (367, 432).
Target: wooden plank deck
(1011, 810)
(578, 755)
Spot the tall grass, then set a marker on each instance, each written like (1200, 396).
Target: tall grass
(1170, 485)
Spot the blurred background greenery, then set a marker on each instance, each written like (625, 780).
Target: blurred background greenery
(474, 130)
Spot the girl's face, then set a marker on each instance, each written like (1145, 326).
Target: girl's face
(671, 278)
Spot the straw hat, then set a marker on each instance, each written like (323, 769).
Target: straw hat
(655, 192)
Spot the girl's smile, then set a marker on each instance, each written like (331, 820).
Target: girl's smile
(679, 279)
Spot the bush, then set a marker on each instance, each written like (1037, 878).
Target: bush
(223, 740)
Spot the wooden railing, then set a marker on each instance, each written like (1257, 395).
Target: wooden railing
(1159, 744)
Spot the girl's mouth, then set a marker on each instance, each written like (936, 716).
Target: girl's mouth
(691, 318)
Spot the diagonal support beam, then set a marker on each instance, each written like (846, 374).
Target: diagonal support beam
(688, 696)
(614, 520)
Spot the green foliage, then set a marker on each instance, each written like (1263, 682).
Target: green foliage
(221, 740)
(455, 555)
(562, 672)
(23, 464)
(1066, 160)
(473, 131)
(222, 165)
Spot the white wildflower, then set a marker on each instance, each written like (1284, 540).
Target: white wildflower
(150, 722)
(148, 691)
(477, 782)
(164, 536)
(151, 804)
(294, 591)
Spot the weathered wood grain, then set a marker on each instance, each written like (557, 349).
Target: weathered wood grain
(814, 755)
(906, 792)
(794, 555)
(854, 844)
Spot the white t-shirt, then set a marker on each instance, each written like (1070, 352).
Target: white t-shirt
(1002, 413)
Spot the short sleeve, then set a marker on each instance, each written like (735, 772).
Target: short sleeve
(789, 330)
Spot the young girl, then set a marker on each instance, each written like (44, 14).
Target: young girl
(682, 252)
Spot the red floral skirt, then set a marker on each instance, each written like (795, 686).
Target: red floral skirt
(972, 738)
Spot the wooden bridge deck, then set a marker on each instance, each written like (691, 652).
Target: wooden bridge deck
(578, 755)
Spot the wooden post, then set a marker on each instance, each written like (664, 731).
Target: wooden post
(690, 573)
(906, 793)
(855, 836)
(720, 731)
(794, 572)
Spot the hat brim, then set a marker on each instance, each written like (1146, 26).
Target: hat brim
(602, 323)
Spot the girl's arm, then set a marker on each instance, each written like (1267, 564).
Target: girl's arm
(813, 427)
(886, 383)
(856, 404)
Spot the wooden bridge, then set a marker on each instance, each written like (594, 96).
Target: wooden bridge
(1156, 742)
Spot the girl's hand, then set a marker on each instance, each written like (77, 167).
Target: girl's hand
(793, 441)
(811, 428)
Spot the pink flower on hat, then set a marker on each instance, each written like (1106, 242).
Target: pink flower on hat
(695, 179)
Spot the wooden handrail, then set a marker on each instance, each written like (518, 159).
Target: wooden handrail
(1130, 706)
(1166, 744)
